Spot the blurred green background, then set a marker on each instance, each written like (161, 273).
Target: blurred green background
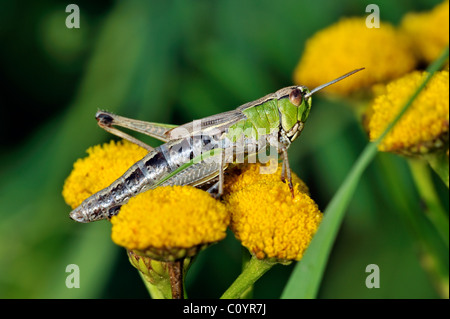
(172, 62)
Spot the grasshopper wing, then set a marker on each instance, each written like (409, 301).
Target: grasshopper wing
(220, 122)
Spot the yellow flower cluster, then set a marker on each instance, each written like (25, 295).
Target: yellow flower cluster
(424, 127)
(349, 44)
(103, 165)
(428, 31)
(170, 217)
(388, 53)
(267, 219)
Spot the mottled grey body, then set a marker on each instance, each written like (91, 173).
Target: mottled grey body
(150, 172)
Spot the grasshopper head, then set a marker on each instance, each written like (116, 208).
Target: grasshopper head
(301, 98)
(294, 106)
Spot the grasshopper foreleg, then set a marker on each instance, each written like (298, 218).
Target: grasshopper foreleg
(214, 190)
(282, 146)
(286, 171)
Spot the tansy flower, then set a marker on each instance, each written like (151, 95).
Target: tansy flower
(180, 218)
(265, 217)
(168, 223)
(429, 31)
(350, 44)
(160, 228)
(103, 165)
(424, 127)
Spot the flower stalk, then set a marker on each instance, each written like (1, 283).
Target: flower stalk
(163, 279)
(254, 269)
(439, 163)
(175, 269)
(434, 210)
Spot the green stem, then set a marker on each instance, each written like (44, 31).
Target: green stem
(246, 257)
(254, 269)
(439, 163)
(432, 252)
(175, 269)
(435, 211)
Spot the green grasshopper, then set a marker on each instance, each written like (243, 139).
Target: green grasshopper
(197, 153)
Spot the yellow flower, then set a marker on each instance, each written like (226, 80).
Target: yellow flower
(267, 220)
(104, 164)
(429, 31)
(170, 222)
(350, 44)
(424, 127)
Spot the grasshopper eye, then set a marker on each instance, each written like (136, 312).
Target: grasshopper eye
(296, 97)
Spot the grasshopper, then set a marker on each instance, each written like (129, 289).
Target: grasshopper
(197, 153)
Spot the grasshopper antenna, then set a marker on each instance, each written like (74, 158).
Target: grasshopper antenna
(320, 87)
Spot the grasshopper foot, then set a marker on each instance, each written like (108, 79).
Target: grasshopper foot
(214, 191)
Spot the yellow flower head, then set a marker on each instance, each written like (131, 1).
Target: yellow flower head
(429, 31)
(424, 127)
(104, 164)
(348, 45)
(170, 222)
(267, 220)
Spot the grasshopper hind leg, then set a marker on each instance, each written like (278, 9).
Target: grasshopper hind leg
(105, 121)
